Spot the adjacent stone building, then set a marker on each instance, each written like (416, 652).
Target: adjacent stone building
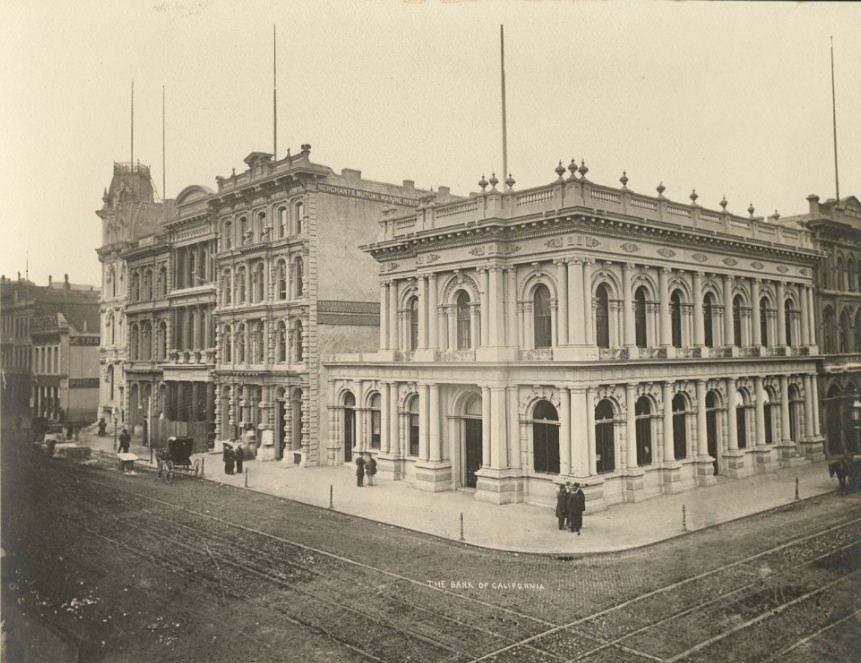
(218, 305)
(836, 226)
(50, 342)
(578, 331)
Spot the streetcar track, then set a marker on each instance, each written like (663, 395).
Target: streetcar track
(672, 586)
(816, 634)
(555, 628)
(699, 606)
(760, 618)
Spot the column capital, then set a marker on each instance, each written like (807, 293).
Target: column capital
(560, 261)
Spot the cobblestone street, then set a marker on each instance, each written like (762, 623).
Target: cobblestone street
(129, 568)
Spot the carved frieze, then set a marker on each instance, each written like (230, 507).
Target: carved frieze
(782, 269)
(477, 251)
(700, 257)
(732, 262)
(630, 247)
(757, 265)
(667, 253)
(555, 243)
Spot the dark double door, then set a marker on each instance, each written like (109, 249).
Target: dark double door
(472, 437)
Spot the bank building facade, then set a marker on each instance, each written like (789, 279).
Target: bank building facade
(576, 331)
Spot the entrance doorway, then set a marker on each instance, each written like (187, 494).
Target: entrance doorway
(711, 428)
(472, 439)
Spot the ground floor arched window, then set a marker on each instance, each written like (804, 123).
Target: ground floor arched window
(741, 424)
(413, 414)
(605, 454)
(349, 426)
(643, 425)
(376, 421)
(545, 438)
(680, 428)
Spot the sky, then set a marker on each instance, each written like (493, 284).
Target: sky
(730, 98)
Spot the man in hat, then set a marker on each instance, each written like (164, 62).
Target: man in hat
(562, 505)
(576, 507)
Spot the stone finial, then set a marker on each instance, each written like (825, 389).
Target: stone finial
(560, 169)
(775, 216)
(583, 169)
(751, 210)
(572, 167)
(482, 183)
(723, 203)
(660, 188)
(694, 195)
(493, 180)
(624, 179)
(509, 181)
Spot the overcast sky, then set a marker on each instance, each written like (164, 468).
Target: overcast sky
(729, 98)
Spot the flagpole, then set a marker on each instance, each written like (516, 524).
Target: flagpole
(133, 123)
(163, 159)
(274, 99)
(504, 131)
(834, 122)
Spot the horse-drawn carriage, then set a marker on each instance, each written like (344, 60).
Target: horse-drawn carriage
(176, 458)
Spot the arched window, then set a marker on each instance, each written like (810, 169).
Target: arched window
(299, 214)
(741, 423)
(227, 335)
(111, 329)
(161, 342)
(640, 317)
(240, 285)
(708, 320)
(838, 275)
(282, 222)
(413, 312)
(136, 287)
(297, 342)
(349, 426)
(111, 382)
(226, 288)
(376, 421)
(281, 341)
(545, 438)
(257, 342)
(680, 428)
(134, 345)
(413, 414)
(147, 289)
(112, 282)
(298, 283)
(605, 453)
(541, 317)
(843, 333)
(858, 330)
(244, 231)
(850, 275)
(240, 344)
(602, 317)
(712, 427)
(259, 282)
(676, 318)
(227, 236)
(736, 321)
(787, 320)
(767, 417)
(643, 424)
(763, 321)
(261, 225)
(464, 339)
(162, 282)
(282, 279)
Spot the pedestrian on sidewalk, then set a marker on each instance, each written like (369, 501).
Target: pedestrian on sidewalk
(576, 507)
(360, 470)
(370, 469)
(125, 441)
(103, 426)
(240, 456)
(229, 457)
(562, 505)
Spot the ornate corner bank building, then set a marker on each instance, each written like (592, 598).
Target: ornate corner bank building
(577, 331)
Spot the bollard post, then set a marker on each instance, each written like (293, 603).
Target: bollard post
(246, 477)
(796, 488)
(150, 455)
(684, 518)
(331, 504)
(461, 525)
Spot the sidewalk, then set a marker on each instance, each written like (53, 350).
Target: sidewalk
(516, 527)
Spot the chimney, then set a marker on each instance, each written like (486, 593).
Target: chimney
(444, 191)
(49, 280)
(66, 281)
(409, 184)
(813, 199)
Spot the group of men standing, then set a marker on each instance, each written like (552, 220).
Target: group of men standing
(570, 505)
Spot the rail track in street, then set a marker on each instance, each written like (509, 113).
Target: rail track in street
(785, 600)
